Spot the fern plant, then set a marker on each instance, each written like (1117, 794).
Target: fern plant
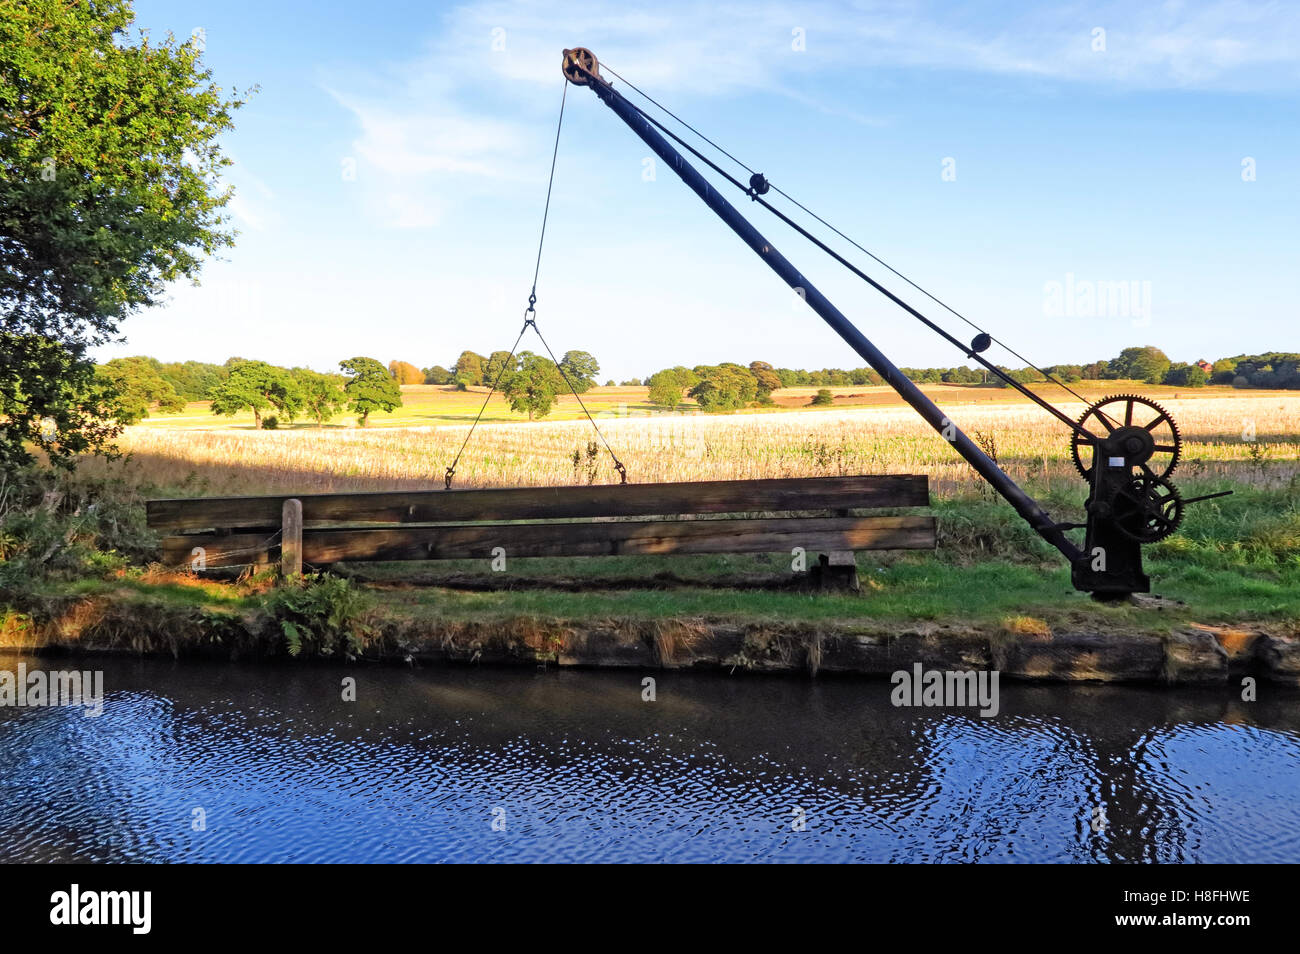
(321, 615)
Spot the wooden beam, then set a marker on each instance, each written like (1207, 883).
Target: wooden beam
(291, 539)
(534, 503)
(640, 537)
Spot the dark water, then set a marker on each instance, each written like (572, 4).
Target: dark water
(580, 768)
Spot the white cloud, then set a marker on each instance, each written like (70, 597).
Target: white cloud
(464, 116)
(719, 49)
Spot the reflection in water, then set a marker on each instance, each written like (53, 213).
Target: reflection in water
(578, 767)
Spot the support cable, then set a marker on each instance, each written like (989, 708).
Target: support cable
(530, 319)
(1085, 435)
(1046, 375)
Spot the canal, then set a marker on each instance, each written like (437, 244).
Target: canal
(217, 762)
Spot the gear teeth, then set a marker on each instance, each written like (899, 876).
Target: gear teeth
(1086, 472)
(1179, 511)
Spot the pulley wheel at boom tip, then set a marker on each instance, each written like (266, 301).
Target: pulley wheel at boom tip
(1147, 508)
(578, 65)
(1153, 441)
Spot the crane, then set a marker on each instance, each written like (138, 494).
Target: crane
(1125, 446)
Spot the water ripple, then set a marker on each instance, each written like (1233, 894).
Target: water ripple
(459, 765)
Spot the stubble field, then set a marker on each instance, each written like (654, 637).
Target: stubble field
(1251, 438)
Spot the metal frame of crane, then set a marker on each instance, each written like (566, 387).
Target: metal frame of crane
(1131, 499)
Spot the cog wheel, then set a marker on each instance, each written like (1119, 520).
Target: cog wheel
(1147, 508)
(1157, 441)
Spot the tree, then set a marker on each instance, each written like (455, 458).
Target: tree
(1225, 369)
(405, 373)
(499, 365)
(823, 398)
(668, 386)
(55, 400)
(193, 380)
(1273, 369)
(1147, 364)
(765, 374)
(258, 386)
(581, 370)
(469, 367)
(369, 388)
(1069, 373)
(322, 394)
(139, 386)
(1186, 376)
(109, 163)
(533, 387)
(1094, 371)
(437, 375)
(725, 387)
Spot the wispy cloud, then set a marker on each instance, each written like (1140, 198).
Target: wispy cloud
(253, 202)
(724, 48)
(457, 118)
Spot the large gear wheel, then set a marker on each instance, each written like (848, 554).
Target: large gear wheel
(1147, 508)
(1148, 429)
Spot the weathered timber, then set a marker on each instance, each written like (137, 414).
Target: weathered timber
(291, 538)
(645, 537)
(836, 571)
(533, 503)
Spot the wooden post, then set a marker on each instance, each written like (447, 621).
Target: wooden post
(291, 539)
(837, 570)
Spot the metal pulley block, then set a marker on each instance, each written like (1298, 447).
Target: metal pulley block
(579, 66)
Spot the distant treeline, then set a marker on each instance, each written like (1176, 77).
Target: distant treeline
(728, 386)
(140, 384)
(531, 382)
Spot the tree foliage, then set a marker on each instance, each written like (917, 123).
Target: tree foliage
(581, 369)
(1147, 363)
(766, 376)
(532, 388)
(404, 372)
(193, 380)
(1273, 369)
(109, 187)
(498, 367)
(668, 386)
(52, 398)
(724, 387)
(469, 368)
(257, 386)
(369, 388)
(322, 394)
(139, 386)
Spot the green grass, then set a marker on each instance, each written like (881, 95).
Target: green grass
(907, 591)
(1236, 559)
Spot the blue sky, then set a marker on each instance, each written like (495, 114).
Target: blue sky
(997, 154)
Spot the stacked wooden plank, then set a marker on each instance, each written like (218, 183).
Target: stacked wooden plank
(725, 516)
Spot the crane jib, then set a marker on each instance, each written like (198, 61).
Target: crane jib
(1024, 505)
